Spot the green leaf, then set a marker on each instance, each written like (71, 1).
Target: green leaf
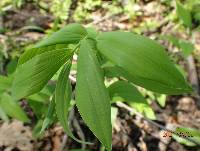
(184, 14)
(145, 61)
(50, 115)
(33, 75)
(44, 94)
(69, 34)
(191, 133)
(30, 53)
(92, 98)
(63, 98)
(161, 99)
(126, 92)
(92, 33)
(12, 108)
(39, 97)
(116, 71)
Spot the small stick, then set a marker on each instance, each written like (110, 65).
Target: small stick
(65, 137)
(64, 141)
(79, 131)
(193, 73)
(193, 77)
(120, 104)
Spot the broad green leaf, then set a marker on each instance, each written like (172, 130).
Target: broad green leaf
(92, 98)
(32, 52)
(92, 33)
(33, 75)
(126, 92)
(49, 116)
(12, 108)
(191, 133)
(145, 60)
(49, 89)
(39, 97)
(63, 98)
(116, 71)
(181, 70)
(44, 94)
(71, 33)
(184, 14)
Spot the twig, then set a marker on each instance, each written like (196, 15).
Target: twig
(193, 77)
(64, 141)
(79, 131)
(75, 121)
(193, 73)
(120, 104)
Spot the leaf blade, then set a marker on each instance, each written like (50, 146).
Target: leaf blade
(126, 92)
(92, 99)
(63, 97)
(145, 61)
(184, 14)
(71, 33)
(33, 75)
(12, 108)
(49, 117)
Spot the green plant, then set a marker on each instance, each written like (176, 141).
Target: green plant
(189, 15)
(136, 59)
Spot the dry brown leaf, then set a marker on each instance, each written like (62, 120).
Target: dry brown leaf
(16, 135)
